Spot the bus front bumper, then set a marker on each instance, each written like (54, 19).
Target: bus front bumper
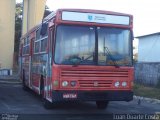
(92, 96)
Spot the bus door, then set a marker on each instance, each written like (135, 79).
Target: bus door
(26, 61)
(30, 63)
(20, 59)
(49, 65)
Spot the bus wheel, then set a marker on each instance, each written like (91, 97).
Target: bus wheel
(47, 104)
(25, 88)
(102, 104)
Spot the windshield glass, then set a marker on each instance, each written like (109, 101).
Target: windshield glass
(114, 46)
(77, 45)
(74, 44)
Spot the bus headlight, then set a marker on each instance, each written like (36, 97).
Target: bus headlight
(65, 83)
(73, 83)
(116, 84)
(124, 84)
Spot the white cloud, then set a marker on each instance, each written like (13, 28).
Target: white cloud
(18, 1)
(145, 12)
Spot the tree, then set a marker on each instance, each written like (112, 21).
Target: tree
(18, 28)
(47, 11)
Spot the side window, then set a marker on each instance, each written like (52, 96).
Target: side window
(43, 45)
(36, 46)
(26, 46)
(40, 43)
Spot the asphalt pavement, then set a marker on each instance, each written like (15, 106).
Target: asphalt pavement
(15, 101)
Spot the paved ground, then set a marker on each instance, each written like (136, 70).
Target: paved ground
(13, 100)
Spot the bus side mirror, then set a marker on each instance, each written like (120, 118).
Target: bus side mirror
(44, 29)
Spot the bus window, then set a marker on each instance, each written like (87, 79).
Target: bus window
(36, 46)
(40, 45)
(75, 42)
(43, 45)
(26, 46)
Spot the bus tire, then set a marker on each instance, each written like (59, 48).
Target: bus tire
(42, 87)
(25, 88)
(47, 104)
(102, 104)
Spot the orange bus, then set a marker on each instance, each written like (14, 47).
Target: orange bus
(79, 55)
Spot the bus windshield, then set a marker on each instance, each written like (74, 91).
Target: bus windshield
(77, 45)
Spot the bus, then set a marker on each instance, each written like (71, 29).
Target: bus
(79, 55)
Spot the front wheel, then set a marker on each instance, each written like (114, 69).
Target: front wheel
(24, 86)
(102, 104)
(47, 104)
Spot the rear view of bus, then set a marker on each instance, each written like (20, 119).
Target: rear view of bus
(92, 57)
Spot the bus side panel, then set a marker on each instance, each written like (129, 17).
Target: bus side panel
(35, 82)
(36, 73)
(48, 91)
(25, 69)
(39, 71)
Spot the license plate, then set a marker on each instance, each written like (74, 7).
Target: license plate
(69, 95)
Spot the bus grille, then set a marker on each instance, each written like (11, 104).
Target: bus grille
(94, 78)
(87, 74)
(95, 83)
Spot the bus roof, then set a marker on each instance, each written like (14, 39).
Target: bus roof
(54, 14)
(93, 11)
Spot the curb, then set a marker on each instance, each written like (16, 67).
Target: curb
(9, 82)
(150, 100)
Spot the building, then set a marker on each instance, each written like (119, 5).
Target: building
(149, 48)
(147, 70)
(33, 11)
(7, 26)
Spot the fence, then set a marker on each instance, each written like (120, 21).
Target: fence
(5, 72)
(147, 73)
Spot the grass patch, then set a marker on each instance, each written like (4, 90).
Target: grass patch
(145, 91)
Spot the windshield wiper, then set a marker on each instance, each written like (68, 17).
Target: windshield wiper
(110, 55)
(82, 60)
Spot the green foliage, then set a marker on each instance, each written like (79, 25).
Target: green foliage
(47, 12)
(18, 26)
(146, 91)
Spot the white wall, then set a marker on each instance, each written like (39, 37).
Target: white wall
(7, 29)
(149, 48)
(33, 11)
